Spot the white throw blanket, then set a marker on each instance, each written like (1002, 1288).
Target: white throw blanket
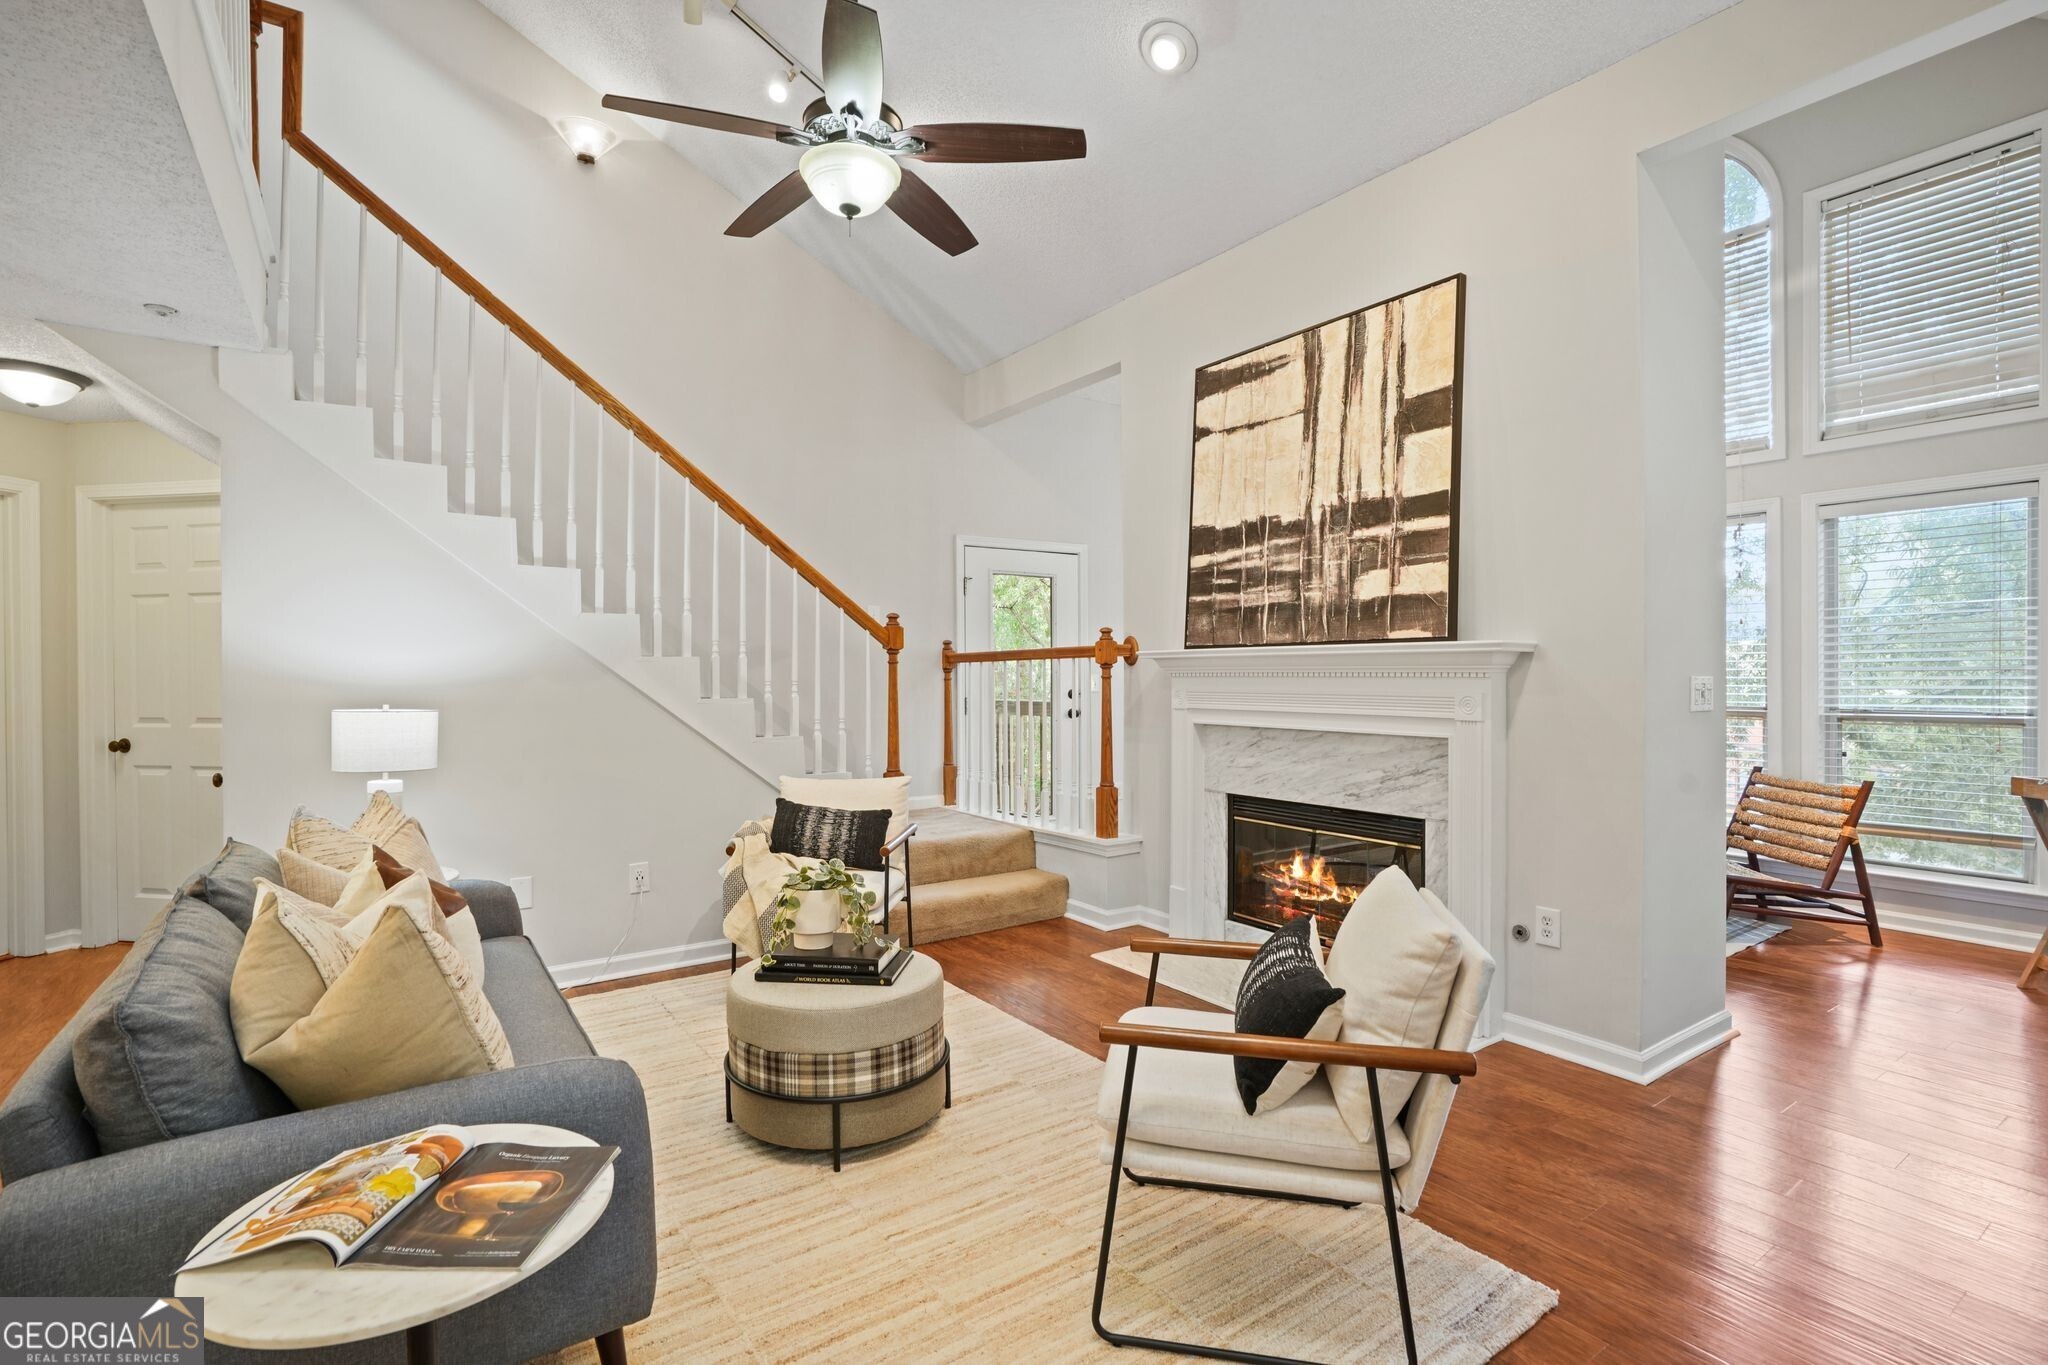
(753, 877)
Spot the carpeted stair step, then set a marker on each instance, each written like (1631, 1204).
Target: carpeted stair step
(975, 905)
(952, 846)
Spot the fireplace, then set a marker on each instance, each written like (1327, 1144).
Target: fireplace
(1289, 859)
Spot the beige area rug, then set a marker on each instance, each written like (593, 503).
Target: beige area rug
(975, 1237)
(1213, 979)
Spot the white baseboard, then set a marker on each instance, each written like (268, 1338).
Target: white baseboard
(1932, 924)
(1109, 921)
(1601, 1055)
(67, 939)
(647, 960)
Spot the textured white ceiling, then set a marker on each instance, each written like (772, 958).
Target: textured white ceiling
(102, 204)
(113, 397)
(1288, 105)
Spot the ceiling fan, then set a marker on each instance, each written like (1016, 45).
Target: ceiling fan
(855, 144)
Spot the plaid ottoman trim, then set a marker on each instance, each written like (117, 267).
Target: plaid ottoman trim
(836, 1075)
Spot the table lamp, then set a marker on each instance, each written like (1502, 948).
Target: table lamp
(385, 740)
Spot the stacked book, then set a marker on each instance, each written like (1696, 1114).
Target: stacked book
(845, 963)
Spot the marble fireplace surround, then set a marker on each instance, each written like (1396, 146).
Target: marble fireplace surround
(1405, 728)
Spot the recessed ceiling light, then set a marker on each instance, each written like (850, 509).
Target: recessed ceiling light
(40, 386)
(1167, 47)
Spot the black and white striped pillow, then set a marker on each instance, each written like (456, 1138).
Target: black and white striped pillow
(855, 837)
(1285, 995)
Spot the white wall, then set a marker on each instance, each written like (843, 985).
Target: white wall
(60, 457)
(817, 411)
(1546, 212)
(1954, 95)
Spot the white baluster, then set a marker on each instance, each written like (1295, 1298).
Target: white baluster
(717, 678)
(767, 641)
(320, 289)
(362, 370)
(281, 309)
(540, 436)
(655, 556)
(739, 668)
(435, 455)
(398, 352)
(505, 504)
(467, 495)
(796, 714)
(569, 555)
(839, 699)
(632, 547)
(689, 621)
(817, 683)
(867, 705)
(597, 518)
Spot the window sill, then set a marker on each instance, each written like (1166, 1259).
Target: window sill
(1813, 444)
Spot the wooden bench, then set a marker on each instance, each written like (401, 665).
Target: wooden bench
(1811, 825)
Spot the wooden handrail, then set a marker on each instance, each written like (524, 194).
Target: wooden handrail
(888, 632)
(1434, 1061)
(1106, 650)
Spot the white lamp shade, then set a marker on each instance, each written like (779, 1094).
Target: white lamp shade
(385, 740)
(850, 178)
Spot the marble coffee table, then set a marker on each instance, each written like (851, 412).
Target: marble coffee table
(293, 1297)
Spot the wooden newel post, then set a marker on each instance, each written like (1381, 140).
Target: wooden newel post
(949, 773)
(1107, 652)
(892, 641)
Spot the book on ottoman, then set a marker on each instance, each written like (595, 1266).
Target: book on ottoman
(846, 962)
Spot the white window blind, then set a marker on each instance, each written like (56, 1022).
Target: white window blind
(1931, 293)
(1746, 340)
(1747, 689)
(1929, 673)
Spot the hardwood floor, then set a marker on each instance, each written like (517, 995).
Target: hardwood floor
(1861, 1176)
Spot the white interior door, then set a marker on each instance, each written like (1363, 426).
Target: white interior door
(162, 632)
(1020, 720)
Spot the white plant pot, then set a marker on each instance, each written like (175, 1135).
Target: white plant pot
(818, 917)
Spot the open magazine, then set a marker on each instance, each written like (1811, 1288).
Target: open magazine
(433, 1197)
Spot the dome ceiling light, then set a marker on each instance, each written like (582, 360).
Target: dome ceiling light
(1167, 47)
(40, 386)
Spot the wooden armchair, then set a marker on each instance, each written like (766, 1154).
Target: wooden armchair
(1810, 825)
(1215, 1146)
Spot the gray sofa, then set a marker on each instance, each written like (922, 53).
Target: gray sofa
(105, 1195)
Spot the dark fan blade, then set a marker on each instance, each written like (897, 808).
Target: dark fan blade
(853, 59)
(771, 208)
(919, 205)
(698, 118)
(998, 142)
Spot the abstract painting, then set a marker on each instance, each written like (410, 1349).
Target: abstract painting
(1325, 504)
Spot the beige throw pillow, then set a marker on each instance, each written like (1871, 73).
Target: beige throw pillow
(321, 840)
(376, 883)
(396, 1005)
(315, 881)
(1396, 960)
(385, 824)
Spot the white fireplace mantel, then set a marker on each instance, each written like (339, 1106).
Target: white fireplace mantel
(1455, 691)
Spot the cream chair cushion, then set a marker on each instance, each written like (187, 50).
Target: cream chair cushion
(1395, 956)
(1189, 1100)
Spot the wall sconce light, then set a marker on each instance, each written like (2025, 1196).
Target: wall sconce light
(586, 137)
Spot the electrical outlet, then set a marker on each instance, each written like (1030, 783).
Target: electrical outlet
(522, 891)
(1702, 692)
(637, 879)
(1549, 928)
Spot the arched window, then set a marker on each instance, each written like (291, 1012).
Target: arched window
(1749, 341)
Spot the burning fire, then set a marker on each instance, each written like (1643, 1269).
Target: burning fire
(1306, 879)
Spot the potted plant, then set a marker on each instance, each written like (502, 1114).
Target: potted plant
(814, 902)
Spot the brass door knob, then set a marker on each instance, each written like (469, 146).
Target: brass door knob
(216, 779)
(117, 746)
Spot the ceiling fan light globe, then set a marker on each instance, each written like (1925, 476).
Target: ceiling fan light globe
(778, 90)
(851, 179)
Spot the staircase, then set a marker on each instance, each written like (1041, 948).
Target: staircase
(971, 875)
(403, 373)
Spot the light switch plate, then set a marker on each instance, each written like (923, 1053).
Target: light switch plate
(522, 891)
(1702, 692)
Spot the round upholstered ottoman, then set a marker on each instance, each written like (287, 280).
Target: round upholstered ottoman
(827, 1067)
